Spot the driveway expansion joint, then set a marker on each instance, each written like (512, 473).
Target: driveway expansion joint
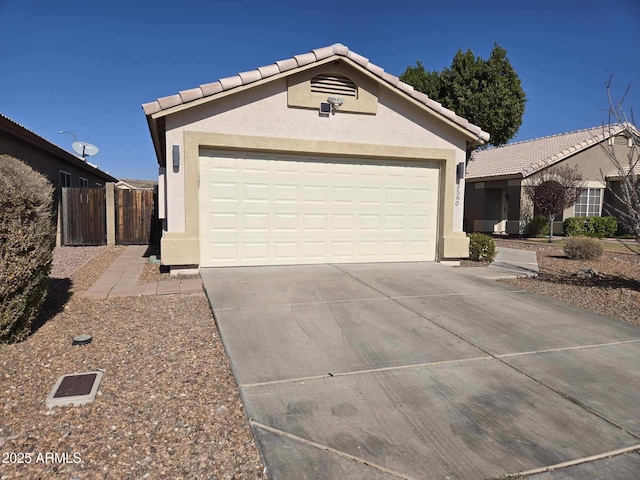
(466, 294)
(572, 463)
(499, 359)
(328, 450)
(565, 349)
(318, 302)
(362, 372)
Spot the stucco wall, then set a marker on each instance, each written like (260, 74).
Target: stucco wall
(263, 111)
(44, 162)
(593, 161)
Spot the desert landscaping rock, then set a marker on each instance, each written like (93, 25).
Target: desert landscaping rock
(613, 291)
(158, 410)
(67, 260)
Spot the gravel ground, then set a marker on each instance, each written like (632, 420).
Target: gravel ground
(168, 406)
(66, 260)
(614, 292)
(153, 272)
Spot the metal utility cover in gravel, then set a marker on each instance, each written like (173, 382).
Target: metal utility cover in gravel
(76, 389)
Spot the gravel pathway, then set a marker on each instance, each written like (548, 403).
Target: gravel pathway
(168, 406)
(66, 260)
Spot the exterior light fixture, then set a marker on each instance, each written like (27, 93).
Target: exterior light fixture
(176, 156)
(459, 171)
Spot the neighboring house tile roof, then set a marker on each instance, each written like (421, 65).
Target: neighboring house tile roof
(299, 61)
(11, 126)
(136, 184)
(529, 156)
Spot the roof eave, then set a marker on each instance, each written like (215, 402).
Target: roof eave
(489, 178)
(26, 135)
(474, 138)
(242, 88)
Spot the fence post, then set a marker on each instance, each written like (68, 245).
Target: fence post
(59, 217)
(111, 215)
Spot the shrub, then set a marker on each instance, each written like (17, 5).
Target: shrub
(481, 247)
(27, 238)
(537, 227)
(583, 248)
(590, 226)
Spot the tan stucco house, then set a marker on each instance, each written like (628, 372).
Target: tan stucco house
(319, 158)
(495, 177)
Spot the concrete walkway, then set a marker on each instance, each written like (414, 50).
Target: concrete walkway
(122, 276)
(509, 263)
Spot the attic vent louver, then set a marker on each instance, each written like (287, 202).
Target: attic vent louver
(621, 140)
(336, 85)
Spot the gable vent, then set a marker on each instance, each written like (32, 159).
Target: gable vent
(620, 140)
(337, 85)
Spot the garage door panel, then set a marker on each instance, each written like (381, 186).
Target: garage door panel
(394, 222)
(256, 250)
(257, 166)
(315, 250)
(369, 222)
(344, 195)
(316, 194)
(286, 194)
(224, 192)
(256, 222)
(258, 210)
(315, 222)
(224, 222)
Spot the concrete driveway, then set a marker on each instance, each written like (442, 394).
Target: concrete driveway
(423, 371)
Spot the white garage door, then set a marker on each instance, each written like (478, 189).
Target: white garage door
(279, 210)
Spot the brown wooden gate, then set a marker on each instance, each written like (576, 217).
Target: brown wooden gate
(83, 216)
(134, 216)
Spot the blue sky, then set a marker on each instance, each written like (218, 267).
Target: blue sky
(87, 66)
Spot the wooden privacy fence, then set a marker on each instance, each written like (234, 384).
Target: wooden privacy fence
(134, 216)
(83, 217)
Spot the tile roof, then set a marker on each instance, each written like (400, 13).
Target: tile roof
(138, 184)
(299, 61)
(529, 156)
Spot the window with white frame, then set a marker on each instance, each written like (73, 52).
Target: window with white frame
(84, 182)
(99, 185)
(589, 203)
(65, 179)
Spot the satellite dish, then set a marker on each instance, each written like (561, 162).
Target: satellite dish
(85, 149)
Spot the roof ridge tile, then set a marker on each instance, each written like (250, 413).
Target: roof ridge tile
(340, 49)
(305, 58)
(230, 82)
(269, 70)
(301, 60)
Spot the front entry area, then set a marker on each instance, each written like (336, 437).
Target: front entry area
(277, 209)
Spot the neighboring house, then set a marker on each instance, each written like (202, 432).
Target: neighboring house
(129, 184)
(63, 169)
(495, 201)
(319, 158)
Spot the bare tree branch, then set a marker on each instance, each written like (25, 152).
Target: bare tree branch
(624, 183)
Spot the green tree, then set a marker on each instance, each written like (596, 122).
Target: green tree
(488, 93)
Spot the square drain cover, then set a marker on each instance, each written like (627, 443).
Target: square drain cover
(76, 389)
